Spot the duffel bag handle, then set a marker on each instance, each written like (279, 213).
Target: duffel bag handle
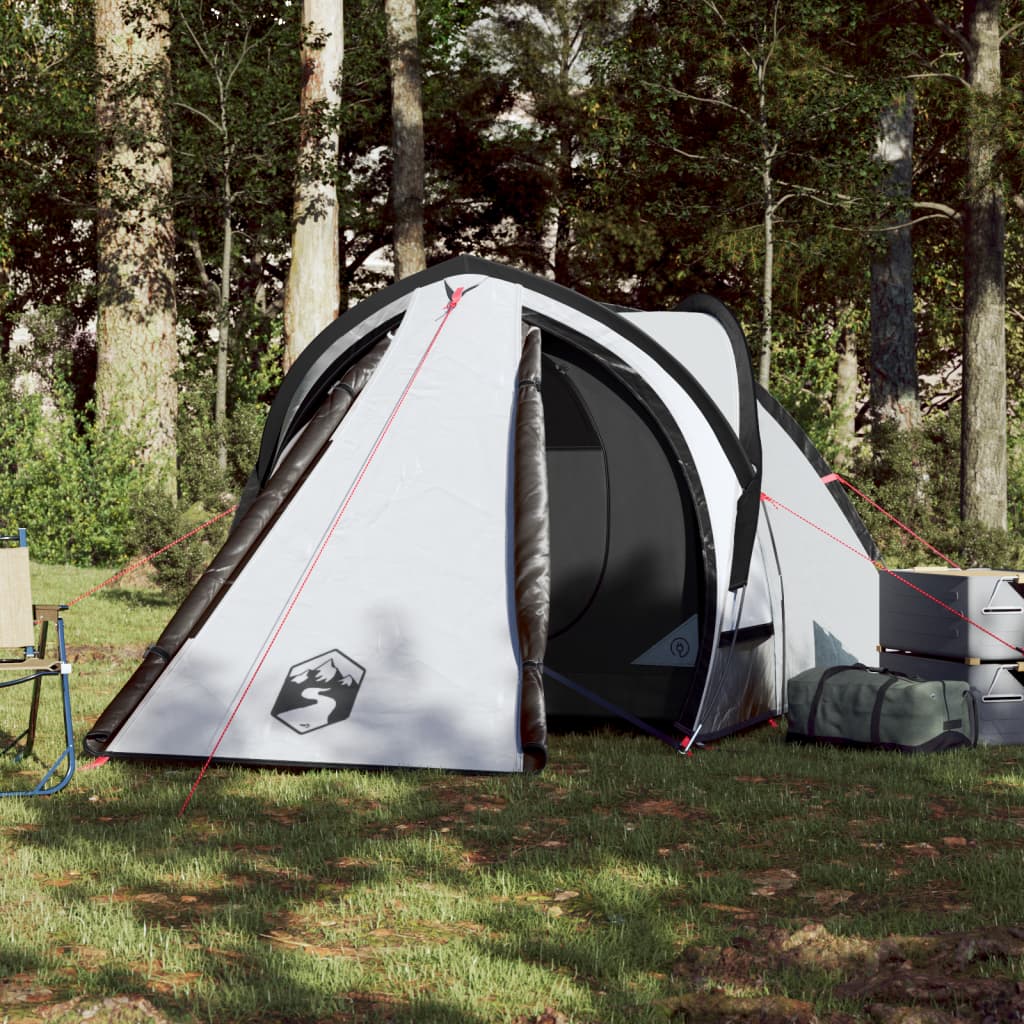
(876, 711)
(812, 714)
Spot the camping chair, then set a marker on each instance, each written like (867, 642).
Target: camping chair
(25, 657)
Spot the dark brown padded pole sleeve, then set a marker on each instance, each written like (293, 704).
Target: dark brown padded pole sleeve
(532, 552)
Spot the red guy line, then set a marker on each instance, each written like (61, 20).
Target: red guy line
(456, 297)
(903, 526)
(149, 558)
(882, 568)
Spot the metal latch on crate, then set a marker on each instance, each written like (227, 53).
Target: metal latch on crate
(994, 607)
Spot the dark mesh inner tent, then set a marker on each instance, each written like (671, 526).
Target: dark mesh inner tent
(626, 561)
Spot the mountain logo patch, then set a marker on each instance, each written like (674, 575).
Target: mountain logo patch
(319, 692)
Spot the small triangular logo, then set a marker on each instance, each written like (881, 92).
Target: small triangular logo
(676, 650)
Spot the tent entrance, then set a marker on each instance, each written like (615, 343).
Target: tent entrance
(626, 557)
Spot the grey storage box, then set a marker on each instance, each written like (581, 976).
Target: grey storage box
(998, 690)
(992, 598)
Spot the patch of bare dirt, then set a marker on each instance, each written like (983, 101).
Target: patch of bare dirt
(170, 909)
(952, 978)
(116, 1010)
(367, 1006)
(22, 990)
(879, 1013)
(364, 937)
(707, 1007)
(82, 654)
(549, 1016)
(652, 808)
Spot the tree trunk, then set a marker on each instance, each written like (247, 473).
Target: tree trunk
(407, 134)
(894, 395)
(344, 286)
(764, 368)
(769, 150)
(136, 315)
(847, 379)
(312, 292)
(220, 412)
(983, 467)
(563, 218)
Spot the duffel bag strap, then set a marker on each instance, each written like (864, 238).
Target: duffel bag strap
(812, 714)
(876, 711)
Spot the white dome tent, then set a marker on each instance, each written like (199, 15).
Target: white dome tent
(475, 474)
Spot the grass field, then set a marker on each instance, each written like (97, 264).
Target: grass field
(755, 881)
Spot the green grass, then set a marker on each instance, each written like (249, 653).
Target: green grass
(623, 884)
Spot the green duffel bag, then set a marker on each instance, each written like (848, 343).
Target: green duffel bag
(854, 705)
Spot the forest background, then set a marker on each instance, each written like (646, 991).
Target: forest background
(190, 190)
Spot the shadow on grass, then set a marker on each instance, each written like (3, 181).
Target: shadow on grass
(351, 896)
(422, 896)
(248, 910)
(135, 598)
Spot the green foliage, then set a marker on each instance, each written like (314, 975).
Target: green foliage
(234, 137)
(915, 476)
(546, 50)
(74, 486)
(159, 523)
(975, 544)
(200, 478)
(642, 136)
(489, 181)
(910, 474)
(695, 105)
(204, 489)
(1015, 475)
(804, 372)
(47, 152)
(78, 489)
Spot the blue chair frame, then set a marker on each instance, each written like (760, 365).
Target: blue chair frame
(18, 619)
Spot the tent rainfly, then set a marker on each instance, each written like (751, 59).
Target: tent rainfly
(484, 502)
